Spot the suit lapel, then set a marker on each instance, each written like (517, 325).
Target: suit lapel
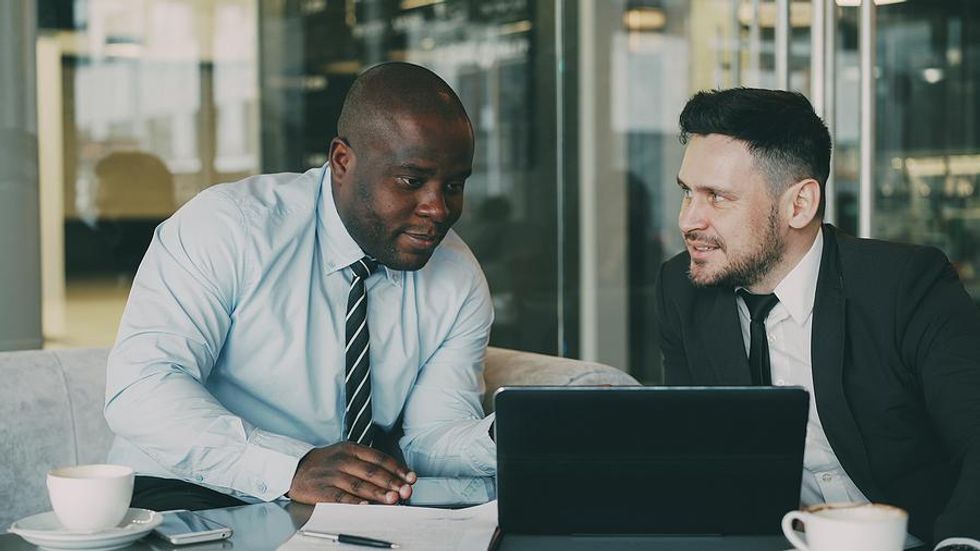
(828, 350)
(723, 339)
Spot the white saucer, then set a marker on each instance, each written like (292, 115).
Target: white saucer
(44, 530)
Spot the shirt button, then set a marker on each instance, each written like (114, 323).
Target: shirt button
(261, 487)
(199, 478)
(826, 477)
(780, 382)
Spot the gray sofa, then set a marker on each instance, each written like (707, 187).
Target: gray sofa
(51, 411)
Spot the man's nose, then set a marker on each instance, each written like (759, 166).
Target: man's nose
(692, 216)
(432, 203)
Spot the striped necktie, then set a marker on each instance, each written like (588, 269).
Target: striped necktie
(358, 419)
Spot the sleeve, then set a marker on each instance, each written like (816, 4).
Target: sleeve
(174, 325)
(941, 338)
(676, 370)
(446, 433)
(958, 543)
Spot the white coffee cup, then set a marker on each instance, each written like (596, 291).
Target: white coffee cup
(90, 498)
(848, 527)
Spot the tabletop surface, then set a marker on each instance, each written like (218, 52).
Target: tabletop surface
(262, 526)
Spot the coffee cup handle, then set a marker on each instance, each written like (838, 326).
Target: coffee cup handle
(788, 531)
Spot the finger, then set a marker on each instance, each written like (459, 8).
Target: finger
(332, 494)
(374, 475)
(364, 489)
(386, 463)
(405, 492)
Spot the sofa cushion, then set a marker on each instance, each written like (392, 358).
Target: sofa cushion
(514, 368)
(50, 416)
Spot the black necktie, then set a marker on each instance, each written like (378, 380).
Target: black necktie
(358, 418)
(759, 308)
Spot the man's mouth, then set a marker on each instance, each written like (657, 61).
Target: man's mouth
(424, 240)
(702, 247)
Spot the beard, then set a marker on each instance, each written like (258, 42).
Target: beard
(749, 267)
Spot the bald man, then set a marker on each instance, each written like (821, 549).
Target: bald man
(317, 336)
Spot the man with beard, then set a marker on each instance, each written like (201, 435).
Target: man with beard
(282, 330)
(882, 335)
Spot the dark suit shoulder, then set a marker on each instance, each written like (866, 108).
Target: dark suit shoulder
(867, 265)
(885, 258)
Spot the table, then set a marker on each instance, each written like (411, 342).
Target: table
(266, 526)
(258, 527)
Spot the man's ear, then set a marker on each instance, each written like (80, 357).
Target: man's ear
(342, 160)
(805, 202)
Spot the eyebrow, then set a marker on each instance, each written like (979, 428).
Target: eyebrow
(711, 189)
(416, 168)
(426, 171)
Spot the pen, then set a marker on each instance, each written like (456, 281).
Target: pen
(347, 538)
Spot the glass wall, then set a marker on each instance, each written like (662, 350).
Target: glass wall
(143, 104)
(148, 102)
(640, 60)
(928, 131)
(572, 205)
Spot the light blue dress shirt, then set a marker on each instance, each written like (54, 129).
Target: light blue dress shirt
(229, 363)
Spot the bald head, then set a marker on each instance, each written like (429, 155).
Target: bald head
(389, 90)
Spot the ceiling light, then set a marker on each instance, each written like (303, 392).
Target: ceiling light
(644, 19)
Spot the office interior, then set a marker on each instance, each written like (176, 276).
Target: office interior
(113, 113)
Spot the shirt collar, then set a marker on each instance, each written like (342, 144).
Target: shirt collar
(339, 248)
(798, 289)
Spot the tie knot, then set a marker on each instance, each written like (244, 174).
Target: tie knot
(759, 305)
(364, 267)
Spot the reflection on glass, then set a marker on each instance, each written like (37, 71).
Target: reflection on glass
(158, 100)
(928, 134)
(927, 141)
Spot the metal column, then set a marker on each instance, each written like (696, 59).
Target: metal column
(20, 246)
(782, 44)
(867, 132)
(823, 82)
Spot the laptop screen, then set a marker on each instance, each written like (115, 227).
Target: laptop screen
(648, 460)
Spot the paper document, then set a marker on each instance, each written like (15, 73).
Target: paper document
(412, 528)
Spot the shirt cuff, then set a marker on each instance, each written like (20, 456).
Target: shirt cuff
(268, 464)
(958, 541)
(443, 492)
(482, 454)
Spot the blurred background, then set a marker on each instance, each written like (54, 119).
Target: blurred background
(113, 113)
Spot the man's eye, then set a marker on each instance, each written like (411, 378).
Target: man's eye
(455, 187)
(411, 182)
(686, 192)
(715, 198)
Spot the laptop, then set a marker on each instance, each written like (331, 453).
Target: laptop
(631, 467)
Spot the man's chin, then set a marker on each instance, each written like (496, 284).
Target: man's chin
(409, 261)
(701, 276)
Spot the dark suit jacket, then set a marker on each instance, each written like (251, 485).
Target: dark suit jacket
(896, 371)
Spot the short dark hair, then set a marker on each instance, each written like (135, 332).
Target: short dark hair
(780, 128)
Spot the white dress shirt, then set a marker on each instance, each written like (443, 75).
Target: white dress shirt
(229, 363)
(788, 331)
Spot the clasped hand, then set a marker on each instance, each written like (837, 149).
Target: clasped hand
(350, 473)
